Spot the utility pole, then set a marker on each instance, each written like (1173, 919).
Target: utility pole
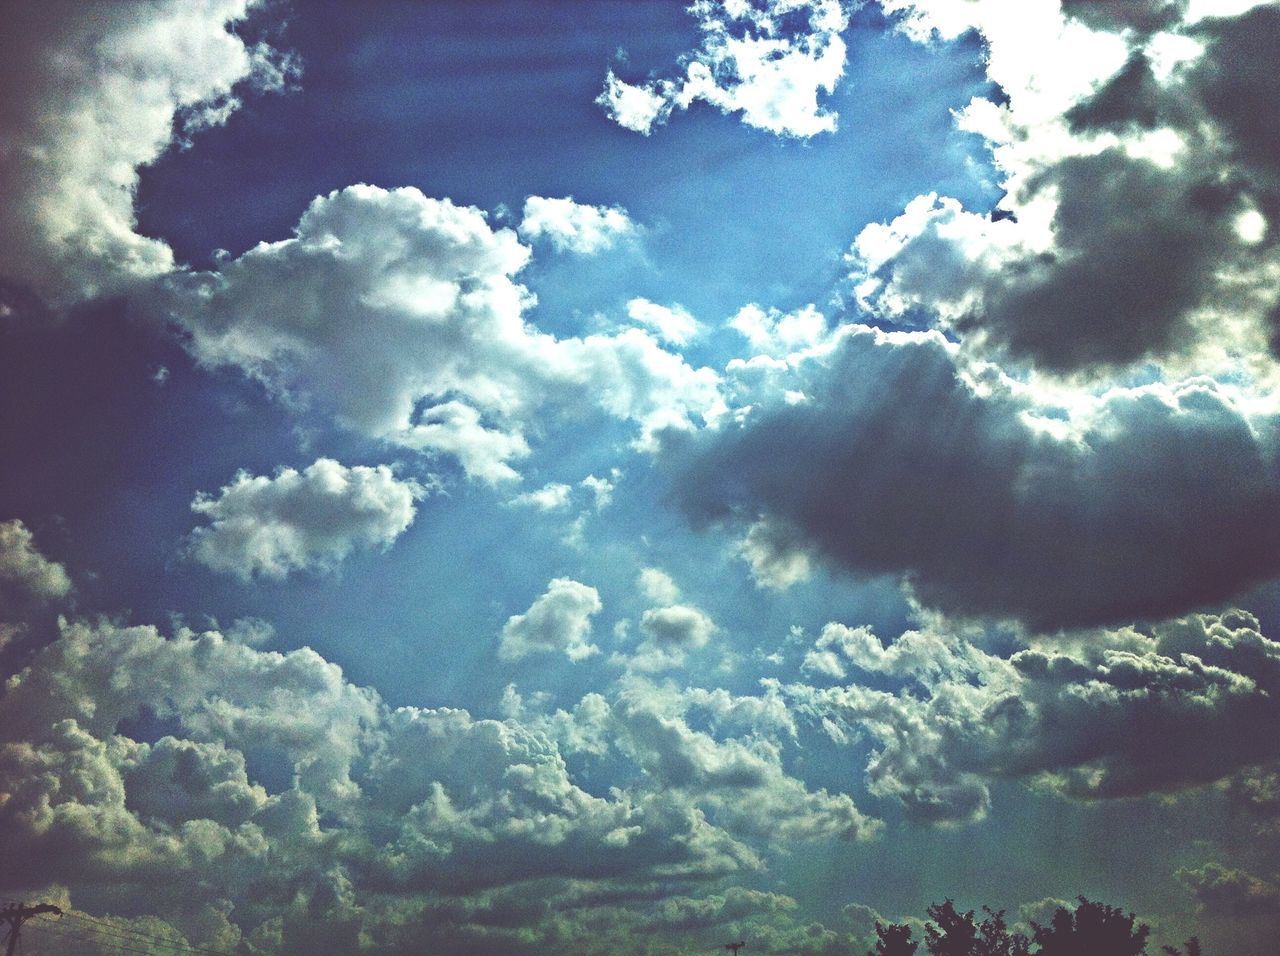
(734, 947)
(15, 914)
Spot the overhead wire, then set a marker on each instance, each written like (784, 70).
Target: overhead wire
(53, 930)
(150, 937)
(116, 936)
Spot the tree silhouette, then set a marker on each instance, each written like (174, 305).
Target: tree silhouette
(1094, 929)
(994, 938)
(893, 940)
(952, 933)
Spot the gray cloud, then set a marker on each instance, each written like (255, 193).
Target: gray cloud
(1126, 713)
(734, 772)
(905, 460)
(669, 634)
(307, 520)
(1227, 891)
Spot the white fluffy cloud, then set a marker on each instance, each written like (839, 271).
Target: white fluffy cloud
(752, 62)
(89, 100)
(399, 315)
(673, 323)
(559, 620)
(268, 527)
(575, 227)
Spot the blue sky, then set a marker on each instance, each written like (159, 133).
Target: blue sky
(577, 476)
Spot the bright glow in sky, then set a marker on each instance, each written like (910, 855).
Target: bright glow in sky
(584, 478)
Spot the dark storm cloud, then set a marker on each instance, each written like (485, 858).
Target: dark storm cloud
(1164, 500)
(1145, 16)
(1226, 890)
(1239, 85)
(1147, 254)
(1131, 97)
(1138, 250)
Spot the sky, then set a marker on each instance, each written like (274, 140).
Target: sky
(583, 477)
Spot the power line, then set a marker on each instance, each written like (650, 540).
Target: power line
(15, 914)
(149, 937)
(53, 930)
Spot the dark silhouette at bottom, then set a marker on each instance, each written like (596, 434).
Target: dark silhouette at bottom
(1093, 929)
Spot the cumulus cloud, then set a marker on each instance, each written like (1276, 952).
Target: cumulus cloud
(408, 800)
(734, 770)
(657, 585)
(673, 323)
(669, 633)
(29, 581)
(309, 520)
(1139, 189)
(573, 226)
(1124, 713)
(559, 620)
(776, 333)
(553, 496)
(399, 315)
(88, 101)
(769, 62)
(27, 577)
(989, 500)
(776, 553)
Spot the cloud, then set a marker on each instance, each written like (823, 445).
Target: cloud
(673, 323)
(990, 500)
(669, 634)
(1224, 890)
(1139, 190)
(406, 801)
(657, 585)
(27, 577)
(776, 553)
(399, 315)
(300, 521)
(553, 496)
(637, 108)
(738, 779)
(29, 582)
(776, 333)
(560, 619)
(769, 62)
(90, 100)
(575, 227)
(1125, 713)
